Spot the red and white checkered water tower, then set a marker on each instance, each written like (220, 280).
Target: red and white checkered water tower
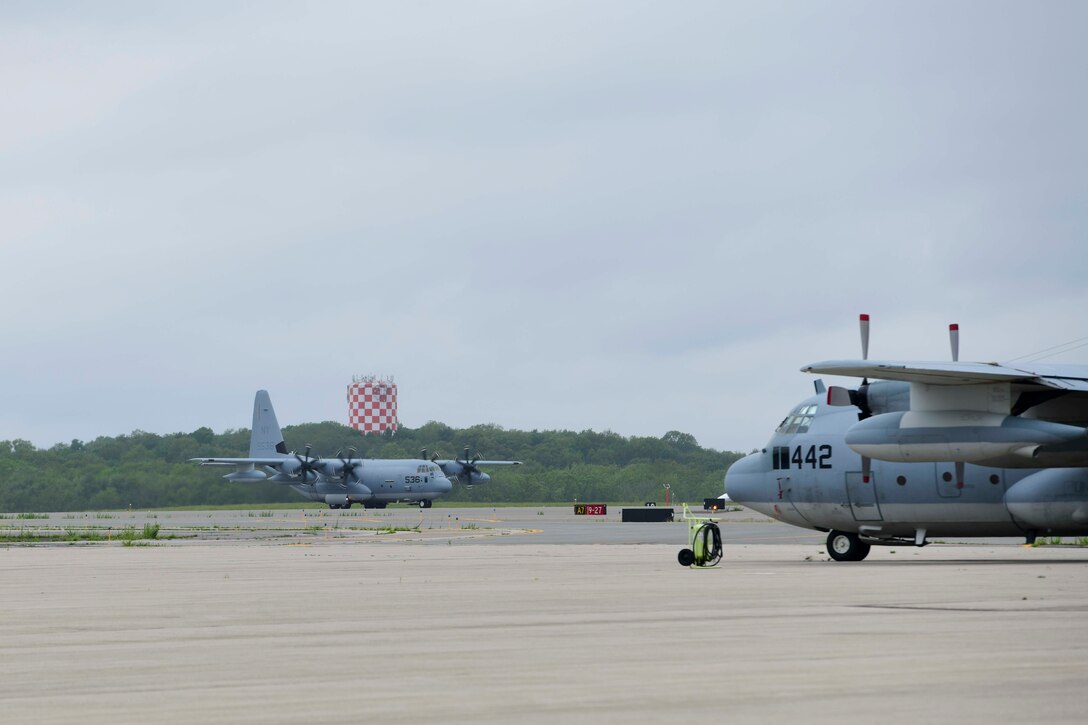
(372, 404)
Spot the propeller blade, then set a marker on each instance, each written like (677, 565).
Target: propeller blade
(863, 323)
(434, 457)
(959, 474)
(423, 453)
(866, 469)
(954, 338)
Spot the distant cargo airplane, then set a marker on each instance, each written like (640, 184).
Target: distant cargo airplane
(928, 449)
(341, 482)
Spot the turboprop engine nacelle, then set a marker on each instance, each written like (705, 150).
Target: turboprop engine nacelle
(962, 436)
(1051, 500)
(476, 478)
(290, 466)
(244, 476)
(880, 396)
(331, 468)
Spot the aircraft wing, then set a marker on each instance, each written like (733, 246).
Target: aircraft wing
(1048, 377)
(443, 462)
(238, 461)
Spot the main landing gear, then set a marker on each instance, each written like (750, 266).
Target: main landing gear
(425, 504)
(846, 547)
(340, 505)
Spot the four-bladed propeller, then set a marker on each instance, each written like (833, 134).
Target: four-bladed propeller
(464, 468)
(860, 398)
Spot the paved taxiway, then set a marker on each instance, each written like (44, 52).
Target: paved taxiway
(298, 622)
(499, 525)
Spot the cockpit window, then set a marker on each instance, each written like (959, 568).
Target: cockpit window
(798, 421)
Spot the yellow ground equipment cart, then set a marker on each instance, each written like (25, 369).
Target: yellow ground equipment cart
(706, 541)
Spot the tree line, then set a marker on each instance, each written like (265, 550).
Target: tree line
(145, 470)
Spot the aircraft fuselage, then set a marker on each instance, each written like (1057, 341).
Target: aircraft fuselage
(380, 482)
(807, 476)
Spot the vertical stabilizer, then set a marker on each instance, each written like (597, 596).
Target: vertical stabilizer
(266, 440)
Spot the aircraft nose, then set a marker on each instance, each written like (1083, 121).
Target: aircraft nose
(744, 479)
(442, 485)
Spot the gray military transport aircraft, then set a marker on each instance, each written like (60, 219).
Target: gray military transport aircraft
(927, 449)
(341, 482)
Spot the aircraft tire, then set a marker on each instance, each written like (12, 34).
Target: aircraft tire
(686, 557)
(843, 546)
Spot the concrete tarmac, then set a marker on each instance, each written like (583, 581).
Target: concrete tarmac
(499, 525)
(411, 627)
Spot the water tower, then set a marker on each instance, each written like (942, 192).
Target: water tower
(372, 404)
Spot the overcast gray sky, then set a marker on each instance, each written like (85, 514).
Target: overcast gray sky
(633, 216)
